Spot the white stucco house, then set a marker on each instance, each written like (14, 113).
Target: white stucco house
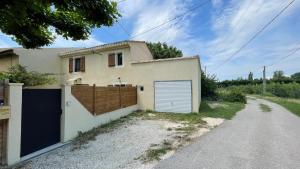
(169, 85)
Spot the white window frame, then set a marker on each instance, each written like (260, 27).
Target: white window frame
(116, 60)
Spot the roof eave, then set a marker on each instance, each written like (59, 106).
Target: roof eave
(102, 48)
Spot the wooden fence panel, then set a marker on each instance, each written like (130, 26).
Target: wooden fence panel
(128, 96)
(99, 100)
(106, 100)
(84, 95)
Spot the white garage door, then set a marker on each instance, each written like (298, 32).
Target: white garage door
(173, 96)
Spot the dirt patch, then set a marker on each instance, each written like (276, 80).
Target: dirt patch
(213, 122)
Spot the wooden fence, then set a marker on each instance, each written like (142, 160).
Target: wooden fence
(99, 100)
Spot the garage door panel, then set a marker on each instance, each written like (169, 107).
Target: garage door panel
(173, 96)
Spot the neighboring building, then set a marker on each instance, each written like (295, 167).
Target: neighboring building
(169, 85)
(43, 60)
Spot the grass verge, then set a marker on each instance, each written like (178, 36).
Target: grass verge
(265, 108)
(292, 105)
(225, 110)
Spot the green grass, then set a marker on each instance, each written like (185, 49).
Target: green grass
(226, 110)
(191, 118)
(265, 108)
(154, 153)
(292, 105)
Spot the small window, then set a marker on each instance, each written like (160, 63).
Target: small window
(77, 65)
(119, 59)
(141, 88)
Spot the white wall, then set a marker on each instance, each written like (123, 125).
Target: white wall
(14, 123)
(76, 118)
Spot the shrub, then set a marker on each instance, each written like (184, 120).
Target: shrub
(290, 90)
(19, 74)
(232, 96)
(208, 86)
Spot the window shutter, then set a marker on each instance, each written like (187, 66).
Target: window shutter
(111, 60)
(82, 64)
(70, 65)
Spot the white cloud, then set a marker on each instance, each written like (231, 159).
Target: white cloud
(239, 21)
(147, 14)
(62, 42)
(7, 42)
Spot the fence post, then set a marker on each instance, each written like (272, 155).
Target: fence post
(14, 123)
(94, 99)
(120, 96)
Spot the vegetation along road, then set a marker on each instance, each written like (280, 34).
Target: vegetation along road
(263, 135)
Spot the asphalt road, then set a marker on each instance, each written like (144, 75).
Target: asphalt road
(251, 140)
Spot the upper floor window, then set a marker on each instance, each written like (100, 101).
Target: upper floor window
(115, 59)
(77, 64)
(119, 59)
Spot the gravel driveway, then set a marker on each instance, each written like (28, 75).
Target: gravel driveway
(118, 149)
(253, 139)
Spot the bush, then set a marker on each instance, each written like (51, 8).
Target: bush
(208, 86)
(232, 96)
(19, 74)
(290, 90)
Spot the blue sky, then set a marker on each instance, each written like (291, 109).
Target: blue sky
(214, 31)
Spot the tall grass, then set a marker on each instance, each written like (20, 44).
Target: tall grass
(291, 90)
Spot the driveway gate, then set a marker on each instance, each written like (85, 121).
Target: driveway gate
(41, 111)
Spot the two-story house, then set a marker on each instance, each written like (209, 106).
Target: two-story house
(167, 85)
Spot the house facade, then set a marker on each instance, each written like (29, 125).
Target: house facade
(171, 85)
(45, 60)
(82, 98)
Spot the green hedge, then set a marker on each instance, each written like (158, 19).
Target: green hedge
(291, 90)
(232, 96)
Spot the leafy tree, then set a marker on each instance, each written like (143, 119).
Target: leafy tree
(278, 75)
(296, 76)
(163, 51)
(208, 86)
(250, 76)
(19, 74)
(30, 22)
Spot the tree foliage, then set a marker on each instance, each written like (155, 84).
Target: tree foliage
(250, 76)
(278, 75)
(296, 76)
(19, 74)
(30, 22)
(163, 51)
(208, 85)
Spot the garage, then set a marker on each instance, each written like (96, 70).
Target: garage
(173, 96)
